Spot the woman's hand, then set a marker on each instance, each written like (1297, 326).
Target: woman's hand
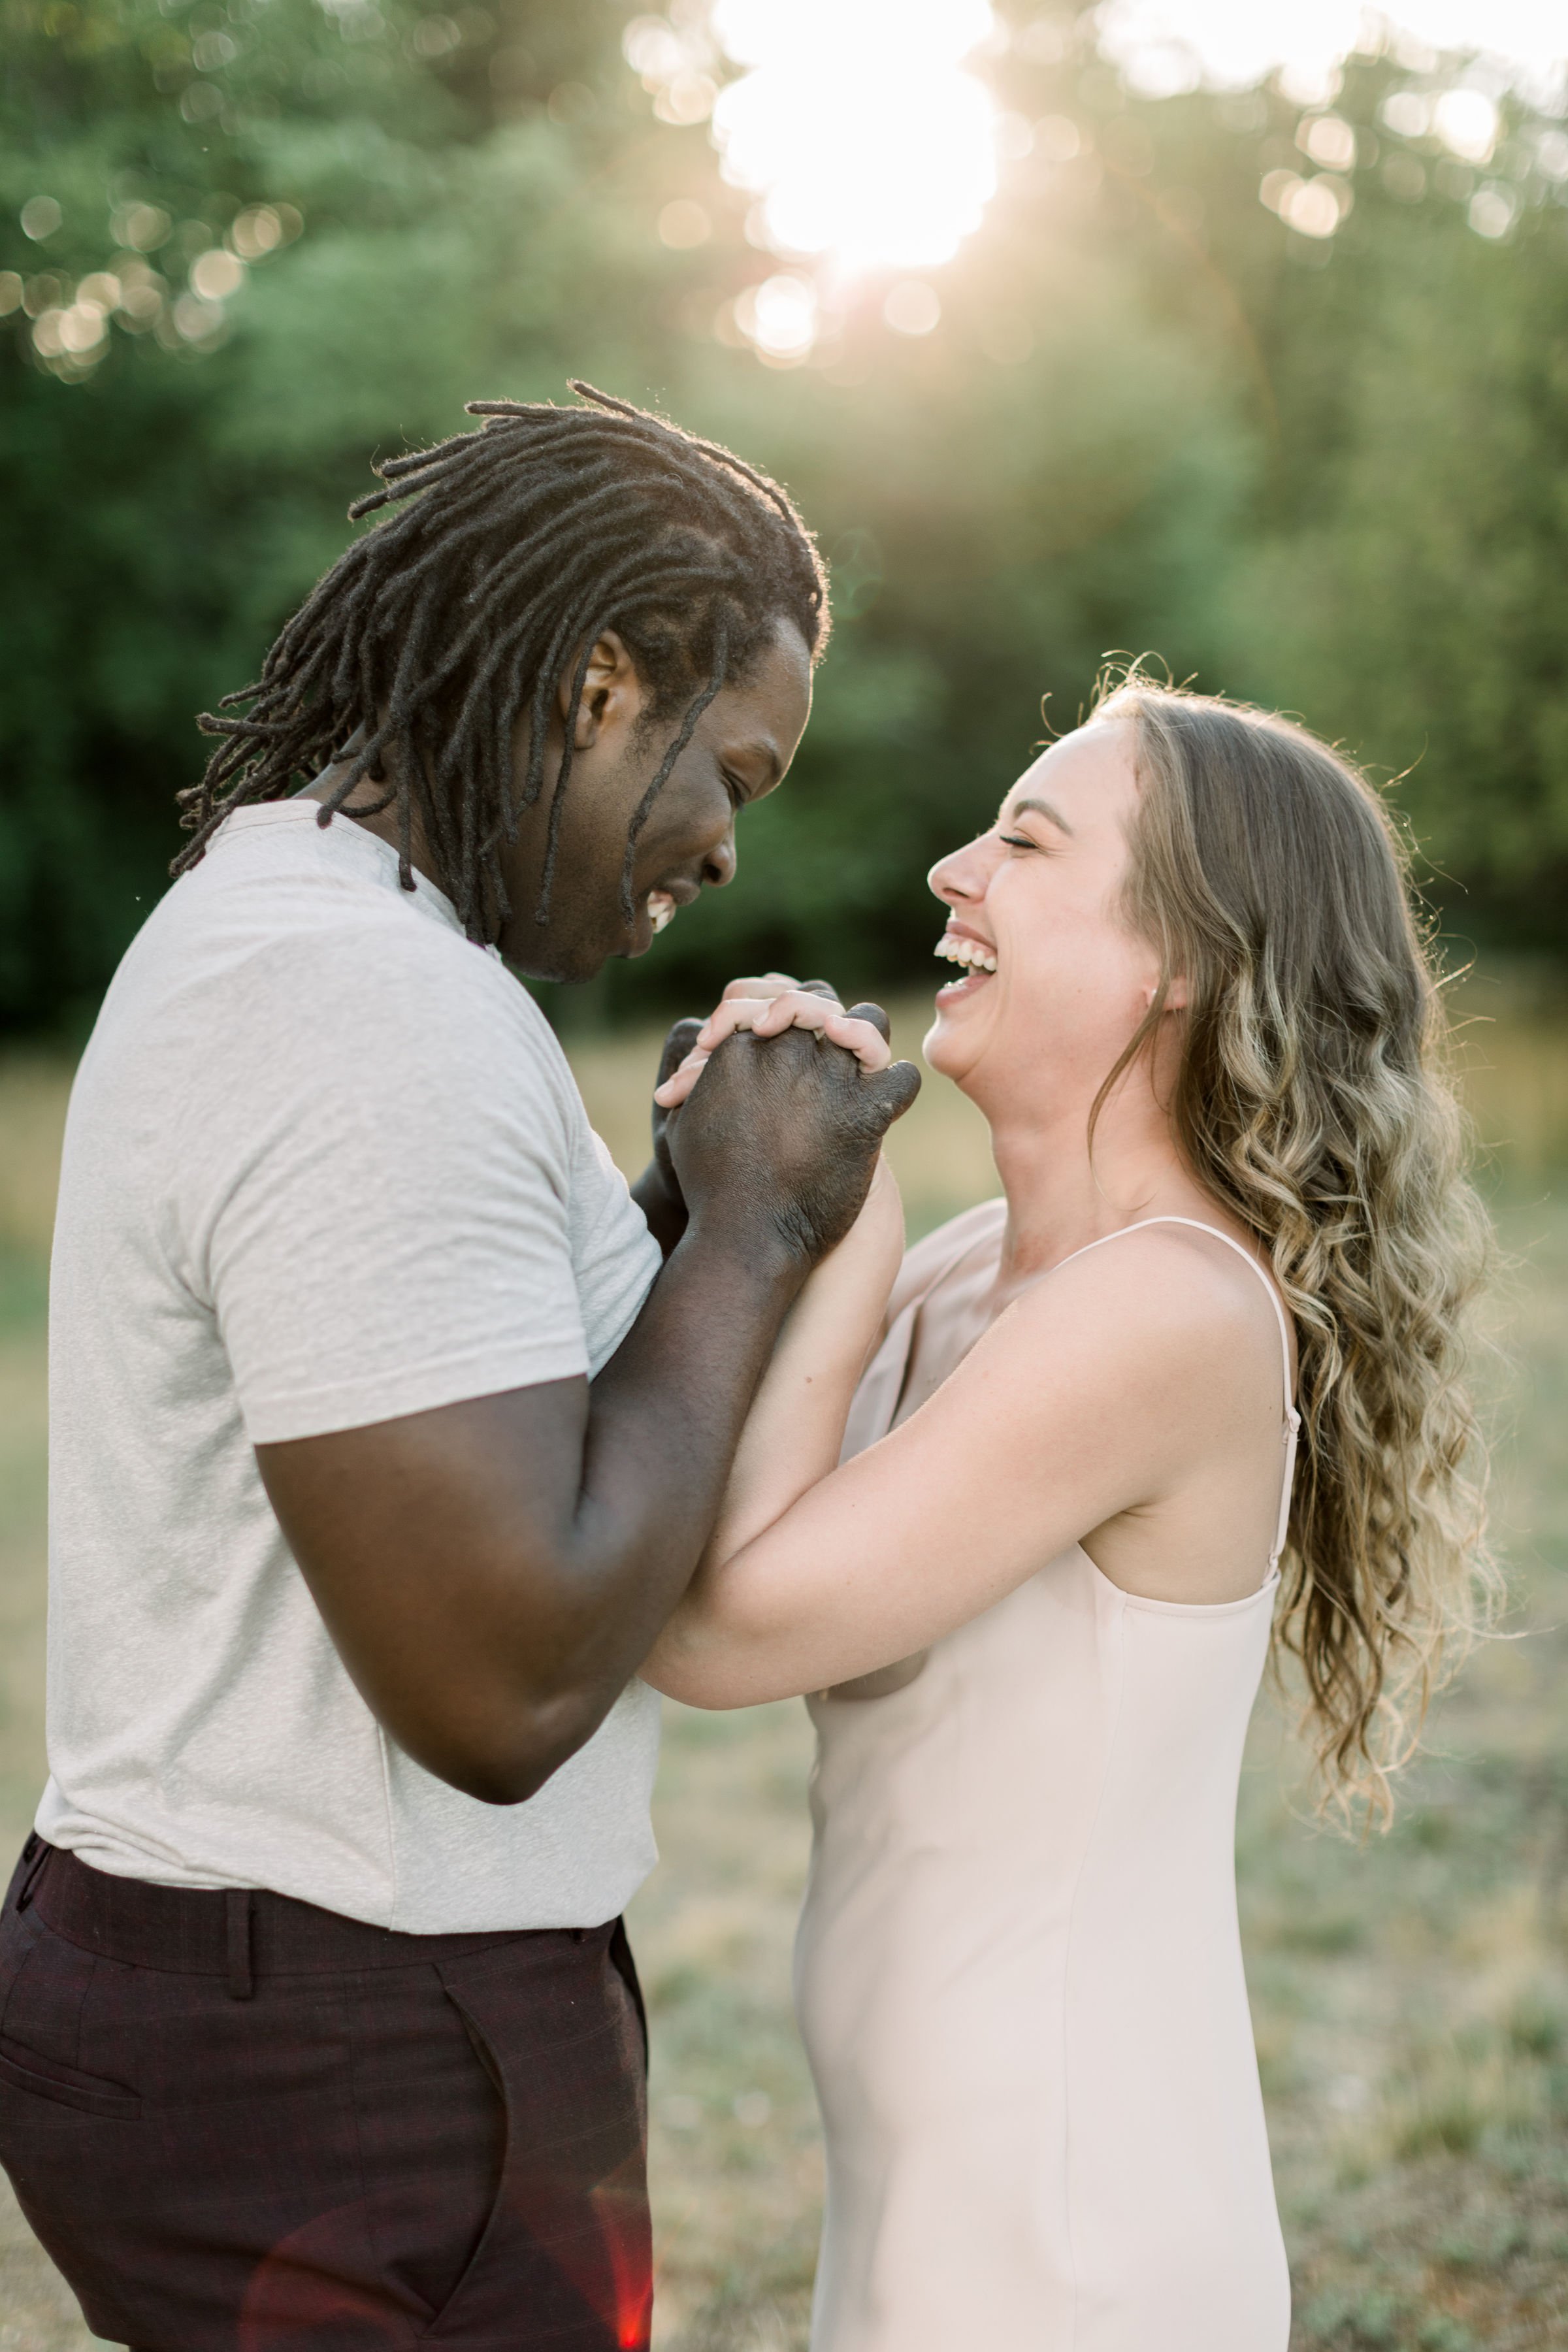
(657, 1190)
(779, 983)
(780, 1004)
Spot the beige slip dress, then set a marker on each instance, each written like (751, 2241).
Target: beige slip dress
(1018, 1971)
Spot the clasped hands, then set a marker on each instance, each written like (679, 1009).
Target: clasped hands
(767, 1004)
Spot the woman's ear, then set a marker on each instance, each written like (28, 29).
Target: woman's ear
(612, 691)
(1176, 994)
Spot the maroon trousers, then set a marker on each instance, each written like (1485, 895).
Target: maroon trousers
(241, 2124)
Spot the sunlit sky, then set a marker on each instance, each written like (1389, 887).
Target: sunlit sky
(868, 134)
(1239, 41)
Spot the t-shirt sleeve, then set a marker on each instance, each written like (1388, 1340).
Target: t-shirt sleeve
(377, 1207)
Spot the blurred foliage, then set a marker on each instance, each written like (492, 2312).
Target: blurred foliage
(276, 236)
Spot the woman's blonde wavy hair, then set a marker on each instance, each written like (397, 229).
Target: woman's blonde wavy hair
(1312, 1099)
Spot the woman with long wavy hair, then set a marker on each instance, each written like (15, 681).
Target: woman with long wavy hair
(1192, 1389)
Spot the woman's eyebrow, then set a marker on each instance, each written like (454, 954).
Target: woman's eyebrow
(1040, 808)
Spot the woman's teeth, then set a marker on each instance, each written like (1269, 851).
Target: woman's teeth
(660, 909)
(967, 952)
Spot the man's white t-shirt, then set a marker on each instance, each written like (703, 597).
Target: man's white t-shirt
(325, 1165)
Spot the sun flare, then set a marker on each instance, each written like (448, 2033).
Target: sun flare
(858, 127)
(870, 139)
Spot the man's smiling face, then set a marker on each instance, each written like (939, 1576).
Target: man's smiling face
(739, 751)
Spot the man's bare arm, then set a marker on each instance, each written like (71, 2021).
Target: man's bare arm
(494, 1572)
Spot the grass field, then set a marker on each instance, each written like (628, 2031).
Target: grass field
(1410, 1994)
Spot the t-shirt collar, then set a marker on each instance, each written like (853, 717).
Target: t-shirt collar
(353, 842)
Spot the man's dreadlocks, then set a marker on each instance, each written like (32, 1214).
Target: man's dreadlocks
(414, 658)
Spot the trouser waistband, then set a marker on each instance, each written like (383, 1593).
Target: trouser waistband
(237, 1933)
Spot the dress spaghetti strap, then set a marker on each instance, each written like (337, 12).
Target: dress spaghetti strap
(1292, 1418)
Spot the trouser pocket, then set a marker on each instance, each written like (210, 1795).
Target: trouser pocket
(24, 2072)
(565, 2259)
(69, 2123)
(48, 2036)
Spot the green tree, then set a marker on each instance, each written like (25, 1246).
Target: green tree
(276, 238)
(1417, 606)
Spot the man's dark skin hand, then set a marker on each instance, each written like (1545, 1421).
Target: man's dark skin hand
(657, 1190)
(492, 1573)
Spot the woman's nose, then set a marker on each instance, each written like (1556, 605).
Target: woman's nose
(963, 873)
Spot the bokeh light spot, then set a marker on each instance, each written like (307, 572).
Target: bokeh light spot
(210, 52)
(142, 293)
(197, 320)
(1312, 207)
(1329, 140)
(571, 102)
(688, 98)
(216, 274)
(1316, 207)
(1491, 212)
(779, 317)
(143, 227)
(82, 328)
(683, 223)
(256, 231)
(912, 308)
(40, 217)
(1057, 139)
(1466, 121)
(673, 61)
(433, 37)
(1407, 113)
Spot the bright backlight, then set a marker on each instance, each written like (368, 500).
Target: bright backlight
(1166, 45)
(857, 126)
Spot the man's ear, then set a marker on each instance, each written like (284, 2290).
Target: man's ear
(613, 694)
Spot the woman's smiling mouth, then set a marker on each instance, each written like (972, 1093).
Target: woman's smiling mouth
(964, 947)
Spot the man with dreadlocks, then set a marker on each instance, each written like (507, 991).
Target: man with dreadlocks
(387, 1429)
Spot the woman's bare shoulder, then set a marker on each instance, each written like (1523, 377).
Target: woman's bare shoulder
(1163, 1297)
(935, 1252)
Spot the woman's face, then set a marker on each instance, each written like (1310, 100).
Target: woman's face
(1059, 983)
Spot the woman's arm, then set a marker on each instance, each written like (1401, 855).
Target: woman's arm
(795, 1427)
(1094, 1395)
